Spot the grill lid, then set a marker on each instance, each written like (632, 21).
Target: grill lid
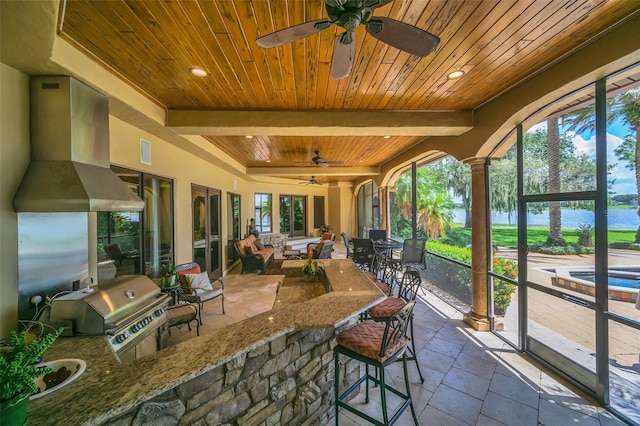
(111, 303)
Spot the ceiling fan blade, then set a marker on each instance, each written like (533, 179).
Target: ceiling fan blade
(334, 162)
(403, 36)
(290, 34)
(344, 53)
(376, 3)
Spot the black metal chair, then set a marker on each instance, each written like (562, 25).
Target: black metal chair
(377, 345)
(363, 252)
(413, 252)
(407, 293)
(378, 234)
(347, 244)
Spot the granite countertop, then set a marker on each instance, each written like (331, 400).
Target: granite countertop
(109, 388)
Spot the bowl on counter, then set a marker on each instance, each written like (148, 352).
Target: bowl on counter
(64, 371)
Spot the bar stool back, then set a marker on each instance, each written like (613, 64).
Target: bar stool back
(379, 345)
(407, 292)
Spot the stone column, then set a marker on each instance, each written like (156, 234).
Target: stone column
(478, 317)
(384, 208)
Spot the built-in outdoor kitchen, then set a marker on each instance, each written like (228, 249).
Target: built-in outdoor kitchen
(278, 363)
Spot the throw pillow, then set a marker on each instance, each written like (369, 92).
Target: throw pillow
(259, 245)
(200, 283)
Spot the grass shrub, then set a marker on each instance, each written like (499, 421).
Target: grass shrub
(456, 280)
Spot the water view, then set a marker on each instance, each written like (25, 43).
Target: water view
(619, 219)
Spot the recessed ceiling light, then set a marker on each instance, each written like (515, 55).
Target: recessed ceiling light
(248, 137)
(455, 75)
(386, 137)
(268, 161)
(198, 72)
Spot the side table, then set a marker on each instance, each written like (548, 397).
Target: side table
(291, 254)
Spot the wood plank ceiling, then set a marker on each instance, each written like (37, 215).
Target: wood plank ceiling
(497, 43)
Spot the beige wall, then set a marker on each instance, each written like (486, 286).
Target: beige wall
(168, 160)
(14, 158)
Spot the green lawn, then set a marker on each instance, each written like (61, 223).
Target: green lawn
(507, 235)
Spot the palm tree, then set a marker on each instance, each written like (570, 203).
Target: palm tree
(625, 106)
(435, 213)
(553, 156)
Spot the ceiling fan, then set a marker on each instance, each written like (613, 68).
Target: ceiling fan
(312, 181)
(349, 14)
(319, 161)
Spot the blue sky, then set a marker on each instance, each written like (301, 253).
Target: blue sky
(625, 181)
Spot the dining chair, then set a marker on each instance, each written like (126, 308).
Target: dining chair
(347, 244)
(413, 250)
(378, 234)
(363, 252)
(378, 345)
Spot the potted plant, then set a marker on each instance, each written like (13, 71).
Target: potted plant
(311, 269)
(17, 373)
(169, 274)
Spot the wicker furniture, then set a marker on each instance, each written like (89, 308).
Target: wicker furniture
(198, 296)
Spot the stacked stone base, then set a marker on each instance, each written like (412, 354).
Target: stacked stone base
(286, 381)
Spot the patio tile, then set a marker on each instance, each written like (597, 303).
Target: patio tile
(466, 382)
(433, 417)
(509, 411)
(456, 404)
(552, 414)
(434, 360)
(444, 347)
(517, 388)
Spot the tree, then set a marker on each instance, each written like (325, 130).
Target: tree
(434, 208)
(459, 180)
(553, 156)
(623, 106)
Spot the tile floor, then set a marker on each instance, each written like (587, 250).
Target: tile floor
(471, 378)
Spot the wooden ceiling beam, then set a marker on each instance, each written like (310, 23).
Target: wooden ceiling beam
(313, 171)
(320, 123)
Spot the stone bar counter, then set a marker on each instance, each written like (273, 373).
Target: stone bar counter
(275, 367)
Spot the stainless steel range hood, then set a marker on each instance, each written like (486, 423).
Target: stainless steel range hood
(69, 170)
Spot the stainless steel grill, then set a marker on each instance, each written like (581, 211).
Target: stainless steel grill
(129, 310)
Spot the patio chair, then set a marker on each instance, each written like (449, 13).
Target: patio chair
(363, 252)
(413, 252)
(319, 251)
(193, 293)
(378, 234)
(347, 244)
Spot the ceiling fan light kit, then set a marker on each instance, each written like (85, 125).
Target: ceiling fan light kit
(350, 14)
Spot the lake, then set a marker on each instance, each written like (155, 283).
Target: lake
(622, 219)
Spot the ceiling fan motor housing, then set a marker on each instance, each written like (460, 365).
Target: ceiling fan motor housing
(350, 15)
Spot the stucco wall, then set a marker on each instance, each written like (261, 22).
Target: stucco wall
(14, 158)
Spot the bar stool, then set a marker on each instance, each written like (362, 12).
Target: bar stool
(407, 293)
(378, 345)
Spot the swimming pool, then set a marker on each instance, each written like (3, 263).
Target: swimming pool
(624, 281)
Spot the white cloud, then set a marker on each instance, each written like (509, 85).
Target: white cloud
(625, 182)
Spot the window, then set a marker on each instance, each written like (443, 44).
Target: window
(138, 242)
(262, 212)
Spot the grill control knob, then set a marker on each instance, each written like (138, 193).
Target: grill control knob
(121, 337)
(158, 312)
(148, 319)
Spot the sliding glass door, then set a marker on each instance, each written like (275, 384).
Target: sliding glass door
(293, 215)
(206, 229)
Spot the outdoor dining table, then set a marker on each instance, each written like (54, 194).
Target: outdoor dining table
(387, 246)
